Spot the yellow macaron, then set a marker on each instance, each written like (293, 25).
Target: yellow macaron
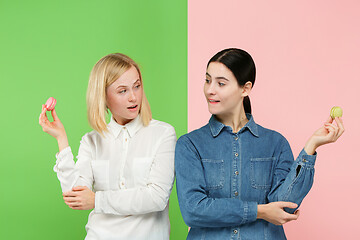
(336, 112)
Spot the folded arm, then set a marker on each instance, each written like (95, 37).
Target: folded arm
(151, 198)
(197, 208)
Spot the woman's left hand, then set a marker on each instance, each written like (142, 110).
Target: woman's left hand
(80, 198)
(328, 133)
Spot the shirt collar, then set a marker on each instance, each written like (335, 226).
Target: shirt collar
(216, 126)
(132, 127)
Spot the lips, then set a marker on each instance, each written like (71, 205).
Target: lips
(213, 101)
(133, 107)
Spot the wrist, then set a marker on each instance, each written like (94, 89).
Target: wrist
(62, 142)
(61, 136)
(260, 211)
(310, 147)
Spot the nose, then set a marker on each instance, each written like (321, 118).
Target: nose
(132, 97)
(209, 89)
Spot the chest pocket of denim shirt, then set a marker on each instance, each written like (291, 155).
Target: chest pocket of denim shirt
(261, 172)
(214, 173)
(100, 170)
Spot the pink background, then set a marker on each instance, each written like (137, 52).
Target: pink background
(307, 58)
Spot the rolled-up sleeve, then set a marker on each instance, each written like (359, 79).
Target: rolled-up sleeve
(292, 180)
(71, 174)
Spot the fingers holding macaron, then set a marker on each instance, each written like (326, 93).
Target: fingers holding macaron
(334, 123)
(48, 106)
(43, 118)
(340, 126)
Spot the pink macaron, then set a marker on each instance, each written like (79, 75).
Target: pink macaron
(50, 103)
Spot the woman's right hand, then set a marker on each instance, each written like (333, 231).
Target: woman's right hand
(274, 212)
(328, 133)
(55, 128)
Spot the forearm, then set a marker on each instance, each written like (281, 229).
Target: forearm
(62, 141)
(69, 173)
(134, 201)
(203, 211)
(297, 183)
(65, 169)
(310, 147)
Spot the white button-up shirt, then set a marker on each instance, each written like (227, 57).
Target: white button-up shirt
(131, 171)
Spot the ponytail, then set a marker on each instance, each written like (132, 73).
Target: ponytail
(247, 105)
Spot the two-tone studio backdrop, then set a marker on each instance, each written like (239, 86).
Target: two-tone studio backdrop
(307, 61)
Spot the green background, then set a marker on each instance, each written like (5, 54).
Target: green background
(47, 48)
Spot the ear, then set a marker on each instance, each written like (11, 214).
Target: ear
(246, 89)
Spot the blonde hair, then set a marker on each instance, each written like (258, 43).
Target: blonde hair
(106, 71)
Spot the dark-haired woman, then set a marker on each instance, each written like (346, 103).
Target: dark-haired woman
(235, 178)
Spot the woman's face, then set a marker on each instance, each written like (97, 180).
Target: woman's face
(222, 92)
(124, 96)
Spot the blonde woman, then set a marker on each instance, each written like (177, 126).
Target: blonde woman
(125, 169)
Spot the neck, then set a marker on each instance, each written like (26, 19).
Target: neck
(234, 120)
(122, 121)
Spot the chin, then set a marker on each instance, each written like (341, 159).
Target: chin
(128, 116)
(213, 111)
(131, 117)
(134, 115)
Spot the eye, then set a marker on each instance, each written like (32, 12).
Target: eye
(221, 84)
(138, 86)
(207, 80)
(122, 91)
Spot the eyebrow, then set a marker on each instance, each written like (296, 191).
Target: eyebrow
(126, 86)
(218, 78)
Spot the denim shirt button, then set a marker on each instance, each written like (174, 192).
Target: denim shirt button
(236, 193)
(236, 154)
(235, 231)
(236, 138)
(304, 160)
(236, 172)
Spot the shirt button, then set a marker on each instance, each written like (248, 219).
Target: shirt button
(236, 138)
(237, 172)
(125, 139)
(236, 154)
(304, 160)
(236, 193)
(235, 231)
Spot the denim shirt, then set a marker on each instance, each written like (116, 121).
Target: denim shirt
(222, 176)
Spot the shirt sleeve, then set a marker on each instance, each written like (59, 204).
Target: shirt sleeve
(199, 210)
(71, 174)
(292, 180)
(152, 198)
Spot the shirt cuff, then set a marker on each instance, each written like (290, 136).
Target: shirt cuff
(307, 159)
(250, 211)
(60, 157)
(98, 196)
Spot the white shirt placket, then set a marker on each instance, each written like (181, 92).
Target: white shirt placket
(124, 137)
